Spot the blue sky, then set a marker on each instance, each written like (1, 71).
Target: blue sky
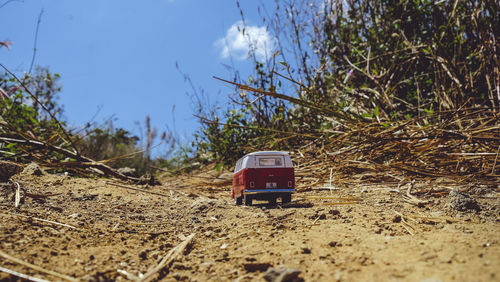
(119, 56)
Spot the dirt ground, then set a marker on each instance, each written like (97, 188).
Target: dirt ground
(362, 232)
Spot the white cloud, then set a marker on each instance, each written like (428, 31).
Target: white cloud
(240, 41)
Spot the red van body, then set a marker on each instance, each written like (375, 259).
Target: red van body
(266, 175)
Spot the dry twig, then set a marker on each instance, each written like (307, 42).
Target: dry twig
(82, 161)
(41, 219)
(22, 275)
(38, 268)
(18, 195)
(169, 258)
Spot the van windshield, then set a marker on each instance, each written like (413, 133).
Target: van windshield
(270, 161)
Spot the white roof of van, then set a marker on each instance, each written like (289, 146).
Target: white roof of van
(260, 153)
(247, 162)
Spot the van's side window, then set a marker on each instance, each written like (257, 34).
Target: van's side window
(270, 161)
(238, 166)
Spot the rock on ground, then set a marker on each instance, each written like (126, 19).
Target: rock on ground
(32, 169)
(282, 274)
(8, 169)
(462, 202)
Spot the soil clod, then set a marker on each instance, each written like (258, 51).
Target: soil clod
(462, 202)
(282, 274)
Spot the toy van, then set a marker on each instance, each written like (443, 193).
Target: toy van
(266, 175)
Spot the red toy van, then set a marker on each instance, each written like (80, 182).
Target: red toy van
(264, 175)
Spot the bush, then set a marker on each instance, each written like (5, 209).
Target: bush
(360, 61)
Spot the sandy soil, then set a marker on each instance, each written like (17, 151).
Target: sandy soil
(363, 232)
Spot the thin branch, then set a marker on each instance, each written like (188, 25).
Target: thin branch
(36, 39)
(495, 163)
(289, 79)
(82, 160)
(129, 155)
(41, 219)
(303, 103)
(169, 258)
(22, 275)
(9, 1)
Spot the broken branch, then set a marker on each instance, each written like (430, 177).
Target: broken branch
(169, 258)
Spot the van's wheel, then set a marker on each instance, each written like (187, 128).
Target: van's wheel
(248, 200)
(272, 201)
(238, 200)
(286, 198)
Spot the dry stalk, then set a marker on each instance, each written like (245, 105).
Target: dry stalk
(412, 199)
(314, 222)
(32, 266)
(22, 275)
(18, 195)
(169, 258)
(115, 227)
(331, 189)
(42, 220)
(129, 276)
(405, 224)
(495, 162)
(129, 155)
(303, 103)
(83, 162)
(407, 227)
